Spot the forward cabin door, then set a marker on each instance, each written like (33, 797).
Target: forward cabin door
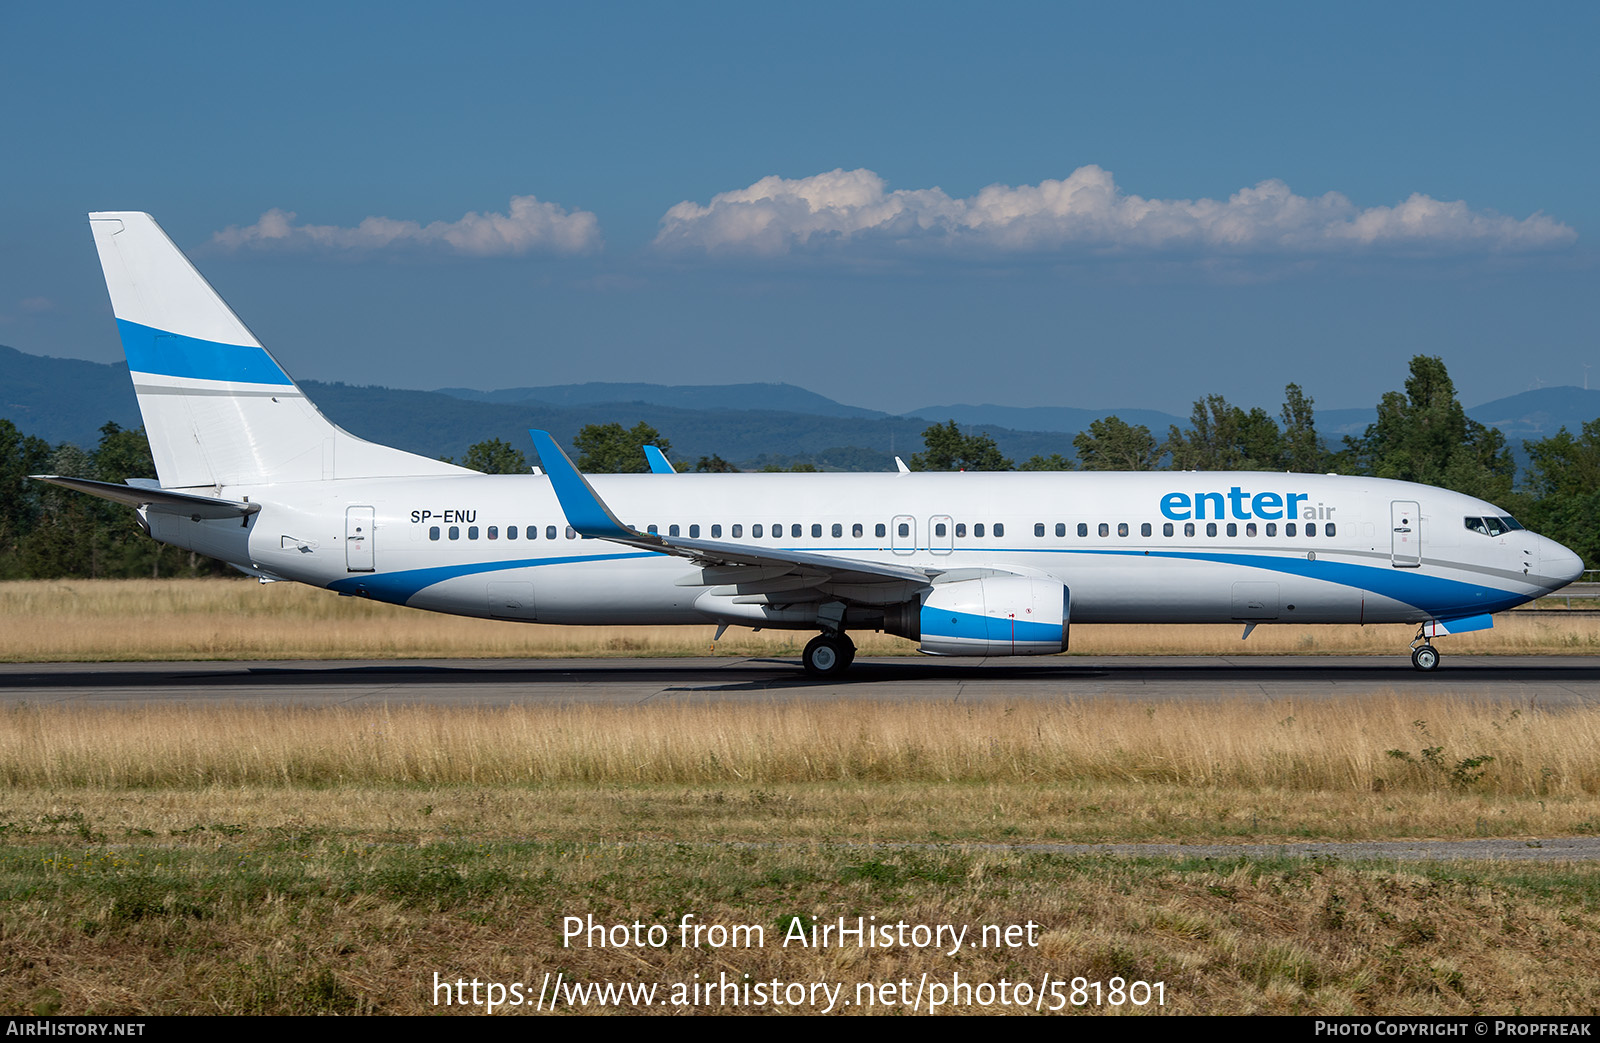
(1406, 523)
(358, 539)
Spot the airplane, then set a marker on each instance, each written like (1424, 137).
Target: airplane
(964, 564)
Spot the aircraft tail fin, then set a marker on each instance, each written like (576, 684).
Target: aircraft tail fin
(218, 408)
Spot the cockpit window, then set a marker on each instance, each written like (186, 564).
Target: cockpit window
(1491, 525)
(1511, 523)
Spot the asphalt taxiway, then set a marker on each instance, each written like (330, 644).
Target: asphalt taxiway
(1528, 680)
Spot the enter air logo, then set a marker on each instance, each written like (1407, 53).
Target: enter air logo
(1238, 503)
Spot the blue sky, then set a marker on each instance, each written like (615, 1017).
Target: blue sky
(893, 205)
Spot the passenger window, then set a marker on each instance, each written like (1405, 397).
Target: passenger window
(838, 531)
(1038, 529)
(795, 530)
(1327, 530)
(716, 532)
(1122, 528)
(1289, 528)
(999, 528)
(533, 532)
(904, 529)
(1250, 529)
(1144, 530)
(940, 529)
(672, 530)
(572, 533)
(1105, 530)
(961, 530)
(1272, 528)
(755, 531)
(1188, 528)
(977, 530)
(1311, 528)
(455, 532)
(694, 532)
(1233, 529)
(1211, 528)
(856, 531)
(433, 533)
(1061, 529)
(472, 532)
(651, 529)
(1083, 529)
(738, 532)
(880, 531)
(816, 532)
(511, 532)
(494, 532)
(1166, 529)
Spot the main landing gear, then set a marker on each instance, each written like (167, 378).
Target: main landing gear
(1423, 655)
(828, 655)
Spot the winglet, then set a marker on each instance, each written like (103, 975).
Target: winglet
(585, 511)
(659, 464)
(900, 465)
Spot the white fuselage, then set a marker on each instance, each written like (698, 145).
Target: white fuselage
(1152, 547)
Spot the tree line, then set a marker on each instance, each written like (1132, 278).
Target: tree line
(1422, 434)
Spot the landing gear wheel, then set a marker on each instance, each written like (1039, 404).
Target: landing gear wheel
(827, 656)
(1425, 658)
(849, 650)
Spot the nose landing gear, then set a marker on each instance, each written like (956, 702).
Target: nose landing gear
(1423, 655)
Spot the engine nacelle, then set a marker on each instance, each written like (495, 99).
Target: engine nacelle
(993, 615)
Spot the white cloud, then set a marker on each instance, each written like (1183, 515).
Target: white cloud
(530, 227)
(1085, 214)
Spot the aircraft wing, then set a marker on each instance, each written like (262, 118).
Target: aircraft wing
(659, 464)
(756, 571)
(153, 497)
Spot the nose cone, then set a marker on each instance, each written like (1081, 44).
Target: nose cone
(1558, 564)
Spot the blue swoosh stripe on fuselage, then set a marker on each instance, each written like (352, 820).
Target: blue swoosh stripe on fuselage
(1443, 598)
(400, 587)
(150, 350)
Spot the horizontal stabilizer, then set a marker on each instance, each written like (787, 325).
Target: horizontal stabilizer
(163, 501)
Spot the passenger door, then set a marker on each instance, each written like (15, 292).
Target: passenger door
(1405, 521)
(358, 527)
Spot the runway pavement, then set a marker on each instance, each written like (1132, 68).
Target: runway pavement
(1541, 680)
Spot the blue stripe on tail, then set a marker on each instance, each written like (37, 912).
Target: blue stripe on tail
(151, 350)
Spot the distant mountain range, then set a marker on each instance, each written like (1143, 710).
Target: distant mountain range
(782, 398)
(67, 400)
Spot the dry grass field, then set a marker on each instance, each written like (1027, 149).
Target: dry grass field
(238, 860)
(1367, 750)
(87, 620)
